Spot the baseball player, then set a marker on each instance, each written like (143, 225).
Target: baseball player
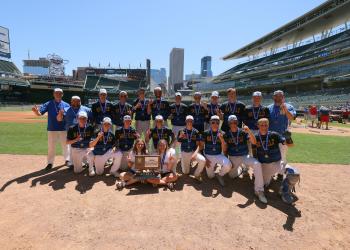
(79, 137)
(237, 150)
(125, 137)
(70, 116)
(190, 138)
(121, 109)
(255, 112)
(178, 112)
(198, 111)
(159, 106)
(213, 108)
(142, 116)
(213, 143)
(160, 132)
(104, 149)
(232, 107)
(313, 115)
(56, 130)
(101, 109)
(280, 115)
(269, 155)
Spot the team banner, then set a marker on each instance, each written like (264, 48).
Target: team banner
(4, 43)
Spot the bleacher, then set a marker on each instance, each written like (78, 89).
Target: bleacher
(93, 82)
(9, 68)
(14, 82)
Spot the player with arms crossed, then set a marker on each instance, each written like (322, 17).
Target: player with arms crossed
(178, 112)
(269, 155)
(213, 144)
(190, 138)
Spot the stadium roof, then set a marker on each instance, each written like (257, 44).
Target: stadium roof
(324, 17)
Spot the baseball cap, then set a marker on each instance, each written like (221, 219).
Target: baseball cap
(198, 93)
(189, 117)
(82, 114)
(103, 91)
(214, 117)
(123, 93)
(159, 118)
(75, 97)
(158, 88)
(232, 118)
(107, 120)
(178, 94)
(257, 93)
(127, 118)
(278, 92)
(215, 94)
(58, 90)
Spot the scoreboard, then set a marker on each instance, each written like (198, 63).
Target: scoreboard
(4, 43)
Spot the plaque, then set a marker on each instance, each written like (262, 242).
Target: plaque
(147, 162)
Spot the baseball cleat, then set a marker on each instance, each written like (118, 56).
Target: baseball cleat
(261, 196)
(199, 179)
(220, 179)
(48, 167)
(120, 185)
(92, 173)
(170, 185)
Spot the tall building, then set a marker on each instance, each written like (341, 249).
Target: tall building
(36, 67)
(206, 67)
(158, 77)
(176, 69)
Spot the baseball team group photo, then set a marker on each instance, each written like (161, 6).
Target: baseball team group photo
(120, 144)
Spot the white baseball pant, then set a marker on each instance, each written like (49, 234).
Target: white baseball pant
(78, 157)
(176, 130)
(248, 161)
(52, 138)
(218, 159)
(283, 150)
(270, 169)
(100, 161)
(186, 163)
(142, 127)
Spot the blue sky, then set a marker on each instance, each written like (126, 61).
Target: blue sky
(128, 32)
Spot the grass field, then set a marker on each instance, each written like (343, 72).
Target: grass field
(31, 138)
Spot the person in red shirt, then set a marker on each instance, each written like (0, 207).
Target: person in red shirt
(313, 115)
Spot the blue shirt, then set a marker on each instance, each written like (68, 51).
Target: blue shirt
(52, 108)
(141, 112)
(278, 121)
(85, 133)
(212, 143)
(236, 142)
(71, 115)
(189, 143)
(125, 138)
(269, 151)
(104, 144)
(178, 114)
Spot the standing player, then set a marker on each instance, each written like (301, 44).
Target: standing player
(190, 138)
(121, 109)
(232, 107)
(70, 116)
(160, 132)
(79, 137)
(313, 115)
(104, 149)
(213, 108)
(237, 150)
(142, 116)
(56, 130)
(255, 112)
(269, 155)
(178, 112)
(324, 117)
(213, 143)
(125, 137)
(159, 106)
(101, 109)
(198, 111)
(280, 115)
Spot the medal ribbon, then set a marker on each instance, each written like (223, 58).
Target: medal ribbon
(265, 147)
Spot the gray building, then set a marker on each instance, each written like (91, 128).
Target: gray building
(158, 77)
(206, 67)
(176, 69)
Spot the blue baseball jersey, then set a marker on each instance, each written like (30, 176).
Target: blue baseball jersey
(253, 114)
(189, 142)
(237, 108)
(160, 107)
(212, 143)
(125, 138)
(52, 108)
(178, 114)
(86, 133)
(104, 144)
(163, 133)
(141, 112)
(278, 121)
(71, 115)
(100, 111)
(211, 111)
(269, 151)
(236, 142)
(119, 111)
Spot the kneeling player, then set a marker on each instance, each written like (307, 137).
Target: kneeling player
(190, 138)
(104, 150)
(79, 137)
(214, 143)
(238, 153)
(269, 154)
